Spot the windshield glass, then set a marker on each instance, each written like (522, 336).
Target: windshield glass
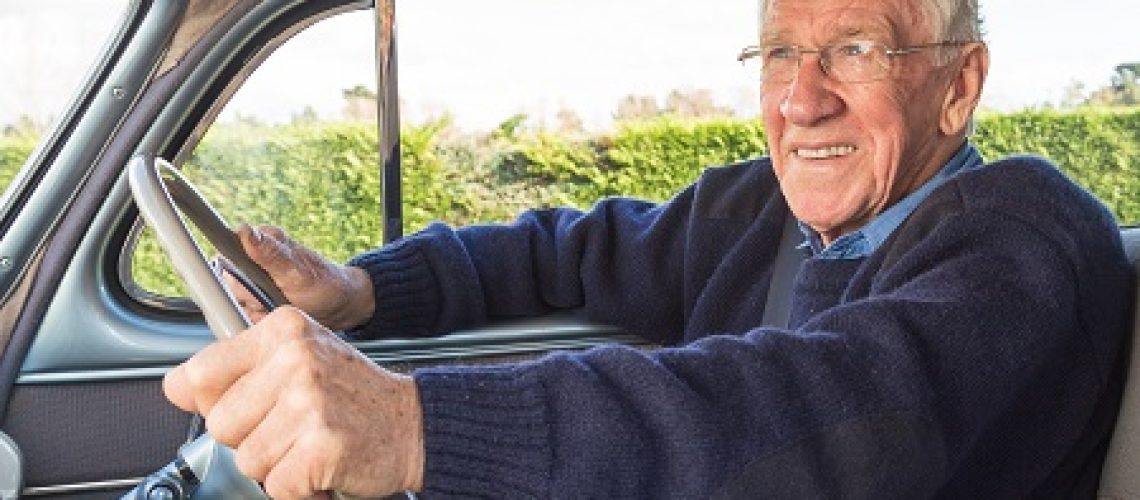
(50, 47)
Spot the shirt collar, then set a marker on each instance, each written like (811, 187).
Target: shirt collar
(862, 242)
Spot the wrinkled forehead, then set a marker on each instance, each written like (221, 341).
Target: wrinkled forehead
(815, 22)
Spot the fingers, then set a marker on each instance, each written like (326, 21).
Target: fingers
(244, 405)
(253, 308)
(265, 445)
(283, 354)
(335, 295)
(196, 385)
(273, 251)
(305, 411)
(299, 473)
(268, 247)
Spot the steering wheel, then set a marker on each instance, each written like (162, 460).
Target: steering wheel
(203, 467)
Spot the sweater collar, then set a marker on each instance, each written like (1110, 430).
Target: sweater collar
(865, 240)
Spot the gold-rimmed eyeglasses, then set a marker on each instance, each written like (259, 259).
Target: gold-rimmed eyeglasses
(849, 62)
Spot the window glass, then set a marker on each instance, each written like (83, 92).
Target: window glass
(295, 147)
(512, 104)
(515, 104)
(541, 101)
(49, 47)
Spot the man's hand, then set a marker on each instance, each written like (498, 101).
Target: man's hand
(337, 296)
(304, 410)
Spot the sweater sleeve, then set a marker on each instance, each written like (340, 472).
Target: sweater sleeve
(443, 278)
(952, 353)
(598, 261)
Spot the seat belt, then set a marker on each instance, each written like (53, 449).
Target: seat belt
(778, 308)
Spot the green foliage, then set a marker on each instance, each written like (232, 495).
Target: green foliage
(649, 159)
(511, 127)
(1098, 149)
(14, 151)
(320, 181)
(654, 159)
(317, 181)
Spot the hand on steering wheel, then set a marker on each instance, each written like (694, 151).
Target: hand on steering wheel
(339, 297)
(210, 468)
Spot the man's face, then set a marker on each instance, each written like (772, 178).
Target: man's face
(844, 152)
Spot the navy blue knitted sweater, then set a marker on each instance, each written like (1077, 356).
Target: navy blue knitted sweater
(974, 355)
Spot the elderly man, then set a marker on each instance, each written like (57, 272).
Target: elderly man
(954, 332)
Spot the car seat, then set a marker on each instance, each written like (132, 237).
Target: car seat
(1120, 477)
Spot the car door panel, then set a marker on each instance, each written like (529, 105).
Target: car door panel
(82, 397)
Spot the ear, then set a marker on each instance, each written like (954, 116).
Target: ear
(965, 89)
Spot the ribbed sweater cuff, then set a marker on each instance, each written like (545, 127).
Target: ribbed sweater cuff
(407, 295)
(486, 433)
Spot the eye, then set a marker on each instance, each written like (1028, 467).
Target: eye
(855, 49)
(779, 53)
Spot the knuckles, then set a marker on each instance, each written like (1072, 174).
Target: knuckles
(288, 322)
(282, 486)
(251, 463)
(306, 361)
(274, 232)
(220, 428)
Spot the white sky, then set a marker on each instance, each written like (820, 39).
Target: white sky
(485, 60)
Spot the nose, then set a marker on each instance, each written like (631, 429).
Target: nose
(810, 98)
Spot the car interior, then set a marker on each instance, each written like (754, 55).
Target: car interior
(83, 350)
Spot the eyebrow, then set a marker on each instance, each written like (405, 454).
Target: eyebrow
(882, 34)
(857, 31)
(773, 37)
(883, 29)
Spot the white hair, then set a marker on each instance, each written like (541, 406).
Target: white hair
(955, 20)
(950, 20)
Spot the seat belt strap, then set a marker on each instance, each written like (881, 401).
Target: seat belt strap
(789, 256)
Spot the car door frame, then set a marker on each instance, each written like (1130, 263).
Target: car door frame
(80, 342)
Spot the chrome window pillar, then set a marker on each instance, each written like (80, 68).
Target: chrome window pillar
(388, 115)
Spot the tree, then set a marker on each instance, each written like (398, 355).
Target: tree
(636, 107)
(688, 103)
(1123, 88)
(1074, 95)
(359, 92)
(569, 122)
(1126, 74)
(360, 104)
(307, 115)
(25, 126)
(696, 103)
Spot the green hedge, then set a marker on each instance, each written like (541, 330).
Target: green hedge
(13, 151)
(1099, 150)
(320, 181)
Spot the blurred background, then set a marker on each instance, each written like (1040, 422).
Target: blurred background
(563, 63)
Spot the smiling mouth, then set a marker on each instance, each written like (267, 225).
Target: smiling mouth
(824, 153)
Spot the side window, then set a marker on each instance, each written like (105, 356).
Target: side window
(49, 47)
(491, 124)
(297, 152)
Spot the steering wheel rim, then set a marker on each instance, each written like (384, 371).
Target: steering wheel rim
(204, 466)
(161, 192)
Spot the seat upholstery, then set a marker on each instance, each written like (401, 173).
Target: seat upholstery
(1120, 478)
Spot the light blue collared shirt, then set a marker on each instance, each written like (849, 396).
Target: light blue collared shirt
(862, 242)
